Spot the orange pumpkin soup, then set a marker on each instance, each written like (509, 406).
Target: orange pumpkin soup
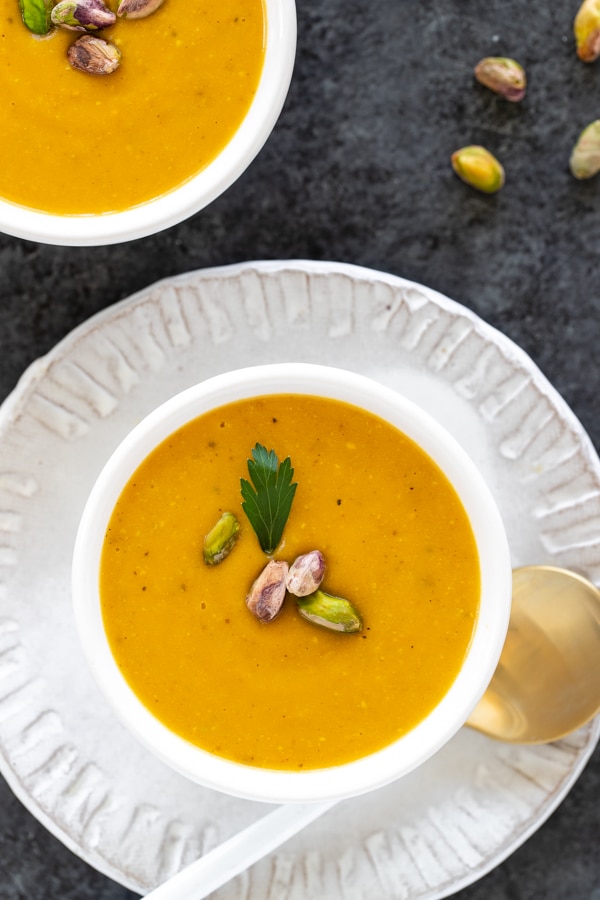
(289, 694)
(75, 143)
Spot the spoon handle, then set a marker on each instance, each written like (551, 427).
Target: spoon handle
(239, 852)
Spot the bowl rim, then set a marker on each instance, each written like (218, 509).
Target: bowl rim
(200, 190)
(376, 769)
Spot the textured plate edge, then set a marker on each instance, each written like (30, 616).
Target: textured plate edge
(100, 864)
(511, 350)
(513, 845)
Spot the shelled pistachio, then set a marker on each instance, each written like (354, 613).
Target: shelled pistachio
(585, 157)
(94, 55)
(306, 573)
(37, 15)
(138, 9)
(478, 168)
(502, 75)
(82, 15)
(586, 28)
(265, 597)
(221, 539)
(328, 611)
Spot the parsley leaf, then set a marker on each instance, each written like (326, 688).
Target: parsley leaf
(268, 503)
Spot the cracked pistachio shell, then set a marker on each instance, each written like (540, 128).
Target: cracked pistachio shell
(37, 15)
(306, 573)
(586, 28)
(502, 75)
(221, 539)
(265, 597)
(94, 55)
(82, 15)
(478, 168)
(585, 157)
(138, 9)
(328, 611)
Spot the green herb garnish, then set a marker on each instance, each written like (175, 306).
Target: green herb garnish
(268, 503)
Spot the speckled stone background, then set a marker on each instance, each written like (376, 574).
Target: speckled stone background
(358, 170)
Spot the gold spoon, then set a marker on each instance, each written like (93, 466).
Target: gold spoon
(546, 685)
(547, 682)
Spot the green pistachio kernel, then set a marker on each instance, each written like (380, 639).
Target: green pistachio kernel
(585, 157)
(502, 75)
(478, 168)
(36, 15)
(220, 540)
(328, 611)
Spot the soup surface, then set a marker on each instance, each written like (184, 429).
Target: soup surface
(289, 694)
(74, 143)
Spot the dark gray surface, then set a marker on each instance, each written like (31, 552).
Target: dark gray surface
(358, 170)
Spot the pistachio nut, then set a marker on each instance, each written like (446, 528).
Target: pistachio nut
(37, 15)
(478, 168)
(502, 75)
(328, 611)
(82, 15)
(138, 9)
(306, 573)
(221, 539)
(586, 28)
(267, 594)
(585, 157)
(93, 55)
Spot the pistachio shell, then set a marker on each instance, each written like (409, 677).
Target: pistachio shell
(138, 9)
(478, 168)
(502, 75)
(94, 56)
(585, 157)
(221, 539)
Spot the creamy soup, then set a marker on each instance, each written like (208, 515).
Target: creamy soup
(75, 143)
(289, 694)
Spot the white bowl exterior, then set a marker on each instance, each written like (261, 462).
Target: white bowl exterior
(195, 194)
(440, 725)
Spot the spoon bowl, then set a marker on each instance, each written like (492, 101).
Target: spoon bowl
(547, 683)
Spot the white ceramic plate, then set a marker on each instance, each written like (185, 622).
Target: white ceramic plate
(61, 750)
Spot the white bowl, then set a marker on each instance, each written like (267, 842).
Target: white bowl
(199, 191)
(448, 716)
